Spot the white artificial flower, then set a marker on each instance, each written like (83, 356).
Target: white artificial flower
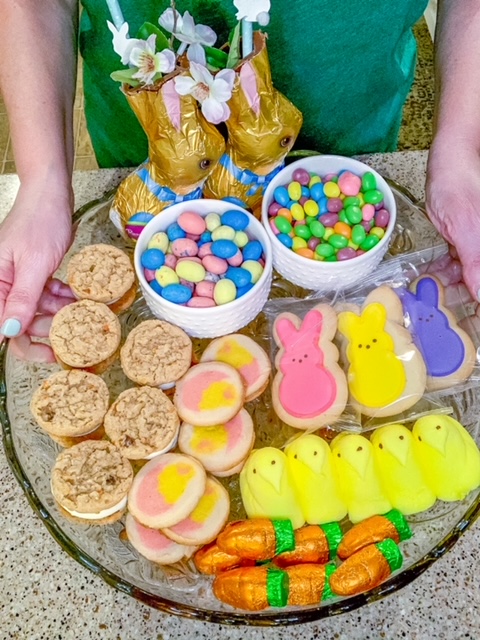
(122, 44)
(196, 53)
(149, 63)
(185, 29)
(253, 10)
(212, 92)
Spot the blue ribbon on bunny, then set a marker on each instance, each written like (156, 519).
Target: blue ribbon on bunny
(246, 177)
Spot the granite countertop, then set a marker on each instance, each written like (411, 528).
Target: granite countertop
(46, 595)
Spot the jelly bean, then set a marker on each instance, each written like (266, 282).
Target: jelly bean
(198, 302)
(243, 290)
(238, 220)
(377, 231)
(240, 277)
(369, 181)
(367, 225)
(273, 208)
(373, 196)
(297, 212)
(165, 276)
(331, 259)
(294, 190)
(317, 229)
(349, 183)
(156, 287)
(368, 211)
(335, 205)
(149, 274)
(298, 243)
(236, 260)
(311, 208)
(189, 270)
(316, 191)
(343, 229)
(191, 222)
(342, 216)
(225, 291)
(337, 241)
(212, 220)
(354, 214)
(174, 232)
(205, 250)
(303, 200)
(325, 250)
(351, 201)
(223, 232)
(204, 289)
(285, 213)
(305, 192)
(215, 265)
(241, 239)
(152, 259)
(183, 247)
(176, 293)
(379, 205)
(369, 243)
(314, 179)
(137, 223)
(301, 176)
(281, 196)
(273, 225)
(331, 189)
(286, 240)
(254, 268)
(305, 252)
(346, 254)
(328, 233)
(358, 234)
(360, 252)
(282, 224)
(352, 245)
(253, 250)
(329, 219)
(382, 218)
(159, 241)
(313, 243)
(224, 248)
(303, 231)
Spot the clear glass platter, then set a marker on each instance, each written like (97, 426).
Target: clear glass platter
(179, 589)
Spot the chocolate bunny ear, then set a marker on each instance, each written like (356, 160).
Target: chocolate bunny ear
(427, 291)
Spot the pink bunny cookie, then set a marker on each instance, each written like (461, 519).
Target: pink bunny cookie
(309, 389)
(386, 372)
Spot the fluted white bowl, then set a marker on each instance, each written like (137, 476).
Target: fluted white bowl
(208, 322)
(327, 276)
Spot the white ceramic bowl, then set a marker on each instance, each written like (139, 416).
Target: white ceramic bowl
(327, 276)
(210, 322)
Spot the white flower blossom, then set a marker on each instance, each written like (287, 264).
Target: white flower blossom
(212, 92)
(149, 63)
(185, 30)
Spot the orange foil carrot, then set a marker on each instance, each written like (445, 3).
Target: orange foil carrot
(257, 539)
(315, 544)
(375, 529)
(366, 568)
(211, 560)
(309, 583)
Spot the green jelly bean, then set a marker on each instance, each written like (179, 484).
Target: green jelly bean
(302, 231)
(325, 250)
(338, 241)
(354, 214)
(283, 225)
(342, 216)
(351, 201)
(368, 181)
(317, 229)
(369, 243)
(331, 259)
(373, 196)
(358, 234)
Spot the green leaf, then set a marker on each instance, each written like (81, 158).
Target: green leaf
(147, 29)
(234, 53)
(216, 57)
(125, 76)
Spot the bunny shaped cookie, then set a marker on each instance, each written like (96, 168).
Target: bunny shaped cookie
(262, 129)
(386, 372)
(448, 351)
(183, 150)
(309, 388)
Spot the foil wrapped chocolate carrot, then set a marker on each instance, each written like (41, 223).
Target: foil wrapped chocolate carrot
(211, 560)
(256, 588)
(375, 529)
(257, 539)
(366, 569)
(315, 544)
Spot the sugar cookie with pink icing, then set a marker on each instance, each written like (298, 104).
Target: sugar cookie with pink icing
(209, 393)
(153, 544)
(309, 389)
(221, 447)
(206, 520)
(166, 490)
(246, 356)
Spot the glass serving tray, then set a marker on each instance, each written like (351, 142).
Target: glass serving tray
(179, 589)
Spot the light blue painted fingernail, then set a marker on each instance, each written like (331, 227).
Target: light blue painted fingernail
(11, 328)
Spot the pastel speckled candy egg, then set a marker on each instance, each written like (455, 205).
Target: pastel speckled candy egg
(235, 219)
(191, 222)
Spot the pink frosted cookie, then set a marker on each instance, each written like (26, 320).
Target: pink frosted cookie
(221, 447)
(233, 470)
(309, 389)
(209, 393)
(153, 544)
(206, 520)
(166, 490)
(244, 355)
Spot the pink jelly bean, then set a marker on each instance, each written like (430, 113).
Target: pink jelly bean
(334, 205)
(346, 254)
(236, 260)
(149, 274)
(274, 208)
(184, 248)
(170, 260)
(329, 177)
(368, 211)
(205, 250)
(199, 302)
(215, 265)
(273, 226)
(367, 224)
(204, 289)
(302, 176)
(313, 243)
(329, 219)
(299, 223)
(382, 218)
(349, 183)
(189, 259)
(191, 222)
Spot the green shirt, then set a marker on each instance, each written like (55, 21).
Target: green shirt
(348, 66)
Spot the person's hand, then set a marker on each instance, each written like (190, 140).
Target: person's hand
(453, 204)
(33, 240)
